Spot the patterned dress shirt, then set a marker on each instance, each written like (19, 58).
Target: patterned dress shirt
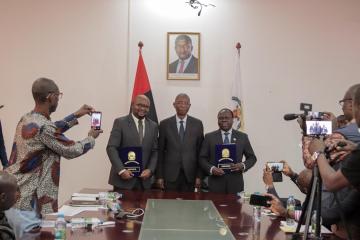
(35, 159)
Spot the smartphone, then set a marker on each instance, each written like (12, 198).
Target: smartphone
(318, 128)
(259, 200)
(316, 115)
(275, 166)
(96, 120)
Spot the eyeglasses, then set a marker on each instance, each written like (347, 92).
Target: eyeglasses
(342, 102)
(57, 94)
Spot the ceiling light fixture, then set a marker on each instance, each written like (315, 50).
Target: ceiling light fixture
(195, 4)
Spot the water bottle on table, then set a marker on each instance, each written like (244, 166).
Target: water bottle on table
(290, 207)
(60, 227)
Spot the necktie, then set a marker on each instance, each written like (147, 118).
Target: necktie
(226, 139)
(141, 131)
(181, 68)
(182, 130)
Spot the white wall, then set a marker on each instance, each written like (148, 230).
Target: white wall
(292, 52)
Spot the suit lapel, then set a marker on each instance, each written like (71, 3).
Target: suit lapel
(174, 129)
(219, 137)
(188, 129)
(147, 129)
(134, 130)
(234, 136)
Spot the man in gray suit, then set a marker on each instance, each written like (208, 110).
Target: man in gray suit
(130, 131)
(180, 139)
(219, 181)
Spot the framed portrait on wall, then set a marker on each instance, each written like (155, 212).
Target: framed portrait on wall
(183, 56)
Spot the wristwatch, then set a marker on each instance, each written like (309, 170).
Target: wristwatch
(316, 155)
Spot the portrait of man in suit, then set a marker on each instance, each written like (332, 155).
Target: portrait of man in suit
(133, 130)
(180, 139)
(183, 62)
(219, 181)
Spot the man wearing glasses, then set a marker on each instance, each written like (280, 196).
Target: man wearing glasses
(350, 132)
(35, 157)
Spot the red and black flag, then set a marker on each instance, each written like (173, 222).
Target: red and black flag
(142, 86)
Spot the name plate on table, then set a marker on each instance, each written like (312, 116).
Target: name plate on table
(131, 157)
(225, 155)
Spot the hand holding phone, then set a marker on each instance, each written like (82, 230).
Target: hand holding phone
(260, 200)
(96, 120)
(275, 166)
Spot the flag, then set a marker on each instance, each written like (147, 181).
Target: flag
(236, 96)
(142, 86)
(3, 156)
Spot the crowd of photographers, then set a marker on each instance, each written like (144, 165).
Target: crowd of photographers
(338, 159)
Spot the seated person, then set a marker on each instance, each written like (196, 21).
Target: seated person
(301, 180)
(341, 121)
(8, 197)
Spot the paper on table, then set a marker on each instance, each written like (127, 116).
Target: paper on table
(90, 195)
(291, 229)
(47, 224)
(71, 211)
(81, 198)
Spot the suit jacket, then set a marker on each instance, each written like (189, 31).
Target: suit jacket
(124, 134)
(192, 67)
(243, 148)
(174, 154)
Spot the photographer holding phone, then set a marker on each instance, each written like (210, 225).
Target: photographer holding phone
(35, 158)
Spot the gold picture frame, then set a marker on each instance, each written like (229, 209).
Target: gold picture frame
(183, 56)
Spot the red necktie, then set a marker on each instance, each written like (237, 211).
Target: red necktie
(181, 69)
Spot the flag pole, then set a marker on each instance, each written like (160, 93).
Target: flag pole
(236, 98)
(238, 46)
(140, 45)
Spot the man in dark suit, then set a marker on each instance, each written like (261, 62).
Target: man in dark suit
(130, 131)
(187, 62)
(180, 139)
(219, 181)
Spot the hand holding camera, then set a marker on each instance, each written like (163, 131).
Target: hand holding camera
(85, 109)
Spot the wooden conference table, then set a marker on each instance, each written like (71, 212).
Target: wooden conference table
(238, 217)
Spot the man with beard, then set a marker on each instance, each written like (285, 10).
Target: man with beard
(133, 130)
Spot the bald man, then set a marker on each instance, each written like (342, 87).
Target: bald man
(133, 130)
(35, 158)
(8, 196)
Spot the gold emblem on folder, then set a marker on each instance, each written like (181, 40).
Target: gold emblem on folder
(225, 153)
(131, 156)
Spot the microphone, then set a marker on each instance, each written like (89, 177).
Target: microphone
(291, 116)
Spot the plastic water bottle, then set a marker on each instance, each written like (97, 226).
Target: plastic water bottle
(257, 214)
(313, 222)
(60, 227)
(290, 207)
(81, 223)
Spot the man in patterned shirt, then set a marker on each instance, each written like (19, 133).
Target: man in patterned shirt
(35, 158)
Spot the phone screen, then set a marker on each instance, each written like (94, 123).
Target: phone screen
(96, 120)
(275, 166)
(259, 200)
(318, 128)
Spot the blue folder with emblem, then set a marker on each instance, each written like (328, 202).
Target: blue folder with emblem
(131, 158)
(225, 154)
